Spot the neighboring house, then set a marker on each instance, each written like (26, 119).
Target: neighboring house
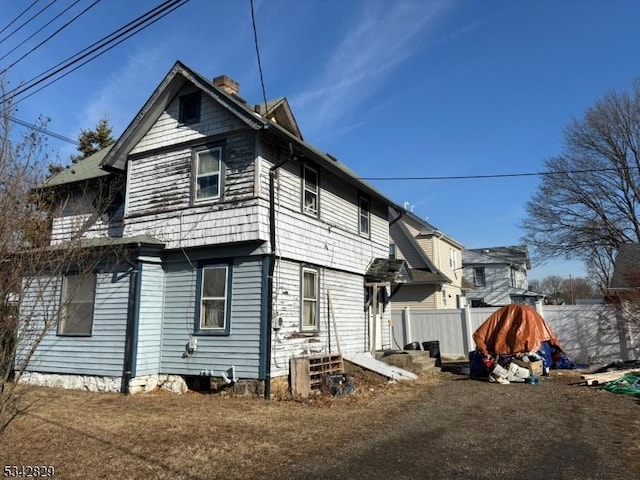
(626, 270)
(498, 276)
(434, 261)
(238, 233)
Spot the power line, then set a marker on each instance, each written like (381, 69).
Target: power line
(43, 130)
(501, 175)
(28, 21)
(38, 31)
(138, 23)
(128, 35)
(20, 15)
(255, 41)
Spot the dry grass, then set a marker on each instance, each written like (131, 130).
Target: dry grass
(194, 436)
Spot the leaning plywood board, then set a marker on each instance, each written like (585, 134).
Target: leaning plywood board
(365, 360)
(604, 377)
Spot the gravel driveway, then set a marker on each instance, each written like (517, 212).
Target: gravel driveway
(468, 429)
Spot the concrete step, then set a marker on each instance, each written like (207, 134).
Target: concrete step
(416, 361)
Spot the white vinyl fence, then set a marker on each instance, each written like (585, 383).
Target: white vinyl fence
(588, 333)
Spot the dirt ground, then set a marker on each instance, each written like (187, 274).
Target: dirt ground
(468, 429)
(441, 427)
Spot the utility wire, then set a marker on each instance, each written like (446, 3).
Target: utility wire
(502, 175)
(28, 21)
(43, 130)
(38, 31)
(149, 16)
(20, 15)
(95, 56)
(255, 41)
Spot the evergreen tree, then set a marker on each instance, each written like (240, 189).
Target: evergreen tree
(92, 141)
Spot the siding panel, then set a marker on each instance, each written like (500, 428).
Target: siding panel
(100, 354)
(150, 319)
(214, 353)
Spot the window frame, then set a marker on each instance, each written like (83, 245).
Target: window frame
(65, 302)
(225, 330)
(195, 157)
(393, 251)
(316, 272)
(367, 210)
(476, 279)
(311, 213)
(193, 99)
(453, 259)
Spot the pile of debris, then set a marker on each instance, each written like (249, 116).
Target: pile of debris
(515, 344)
(617, 377)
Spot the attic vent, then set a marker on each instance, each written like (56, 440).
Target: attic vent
(227, 84)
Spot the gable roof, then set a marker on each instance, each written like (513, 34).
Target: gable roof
(85, 169)
(626, 269)
(383, 270)
(516, 254)
(428, 273)
(178, 76)
(280, 112)
(426, 229)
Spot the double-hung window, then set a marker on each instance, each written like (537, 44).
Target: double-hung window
(213, 302)
(310, 191)
(478, 277)
(309, 305)
(364, 216)
(76, 313)
(453, 259)
(208, 174)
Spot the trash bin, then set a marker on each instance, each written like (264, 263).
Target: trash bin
(433, 347)
(412, 346)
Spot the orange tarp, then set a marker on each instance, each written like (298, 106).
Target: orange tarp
(513, 329)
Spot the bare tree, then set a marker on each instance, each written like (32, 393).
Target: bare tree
(31, 265)
(587, 204)
(565, 290)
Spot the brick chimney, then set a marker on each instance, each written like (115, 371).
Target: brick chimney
(227, 84)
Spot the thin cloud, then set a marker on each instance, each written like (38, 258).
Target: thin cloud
(382, 36)
(124, 91)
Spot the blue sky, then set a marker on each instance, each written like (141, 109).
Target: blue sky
(391, 88)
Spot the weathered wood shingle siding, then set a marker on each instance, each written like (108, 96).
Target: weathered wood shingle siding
(77, 217)
(214, 120)
(241, 348)
(332, 239)
(149, 328)
(159, 186)
(347, 292)
(100, 354)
